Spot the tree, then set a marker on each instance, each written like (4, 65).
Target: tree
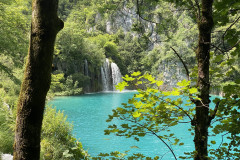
(37, 78)
(202, 120)
(203, 116)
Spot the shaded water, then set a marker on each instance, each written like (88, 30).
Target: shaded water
(89, 113)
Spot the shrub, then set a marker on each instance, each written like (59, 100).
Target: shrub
(57, 140)
(6, 131)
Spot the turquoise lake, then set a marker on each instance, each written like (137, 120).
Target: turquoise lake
(89, 112)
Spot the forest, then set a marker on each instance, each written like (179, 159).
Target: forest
(180, 57)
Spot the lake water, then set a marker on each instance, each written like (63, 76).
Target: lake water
(89, 112)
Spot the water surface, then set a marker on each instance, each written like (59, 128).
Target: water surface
(89, 113)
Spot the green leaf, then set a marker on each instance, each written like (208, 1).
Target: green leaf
(127, 78)
(125, 125)
(103, 154)
(136, 138)
(213, 142)
(176, 141)
(135, 74)
(225, 144)
(237, 81)
(159, 83)
(193, 90)
(139, 82)
(121, 85)
(138, 104)
(141, 134)
(219, 58)
(183, 83)
(175, 93)
(180, 117)
(139, 95)
(150, 78)
(136, 114)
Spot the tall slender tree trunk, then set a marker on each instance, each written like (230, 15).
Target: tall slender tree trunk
(37, 78)
(205, 25)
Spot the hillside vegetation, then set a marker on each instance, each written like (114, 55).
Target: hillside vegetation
(158, 38)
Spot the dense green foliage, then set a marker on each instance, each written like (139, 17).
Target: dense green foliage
(154, 112)
(143, 109)
(57, 143)
(62, 145)
(57, 139)
(14, 27)
(93, 32)
(61, 86)
(7, 129)
(85, 38)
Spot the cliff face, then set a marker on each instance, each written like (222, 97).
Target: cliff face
(171, 73)
(128, 40)
(128, 20)
(122, 19)
(169, 69)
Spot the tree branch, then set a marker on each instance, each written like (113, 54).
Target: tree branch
(198, 8)
(197, 11)
(9, 73)
(222, 140)
(217, 48)
(211, 117)
(154, 135)
(178, 108)
(139, 14)
(184, 64)
(224, 34)
(230, 145)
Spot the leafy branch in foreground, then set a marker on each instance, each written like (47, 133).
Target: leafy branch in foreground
(152, 111)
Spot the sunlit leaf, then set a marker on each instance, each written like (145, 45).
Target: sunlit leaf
(159, 83)
(135, 74)
(193, 90)
(136, 114)
(127, 78)
(183, 83)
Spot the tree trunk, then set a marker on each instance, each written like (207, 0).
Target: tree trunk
(205, 25)
(37, 78)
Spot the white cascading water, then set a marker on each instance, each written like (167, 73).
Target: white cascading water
(111, 75)
(106, 76)
(116, 75)
(87, 88)
(86, 67)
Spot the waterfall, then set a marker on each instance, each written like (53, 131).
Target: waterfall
(116, 75)
(86, 73)
(86, 67)
(111, 75)
(106, 76)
